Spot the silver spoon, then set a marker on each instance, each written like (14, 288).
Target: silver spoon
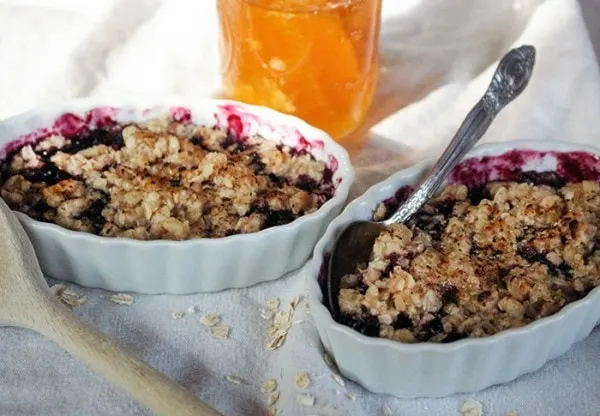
(355, 243)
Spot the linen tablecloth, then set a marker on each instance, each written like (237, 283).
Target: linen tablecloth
(437, 59)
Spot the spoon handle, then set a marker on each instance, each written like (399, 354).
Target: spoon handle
(148, 386)
(510, 79)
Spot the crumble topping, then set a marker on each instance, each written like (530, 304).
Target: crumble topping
(475, 262)
(163, 180)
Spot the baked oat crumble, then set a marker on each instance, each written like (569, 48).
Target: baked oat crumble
(475, 262)
(163, 180)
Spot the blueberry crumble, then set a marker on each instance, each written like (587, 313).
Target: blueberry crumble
(474, 262)
(163, 180)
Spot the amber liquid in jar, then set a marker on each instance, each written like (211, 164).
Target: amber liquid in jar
(315, 59)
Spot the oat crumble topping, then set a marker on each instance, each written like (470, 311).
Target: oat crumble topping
(163, 180)
(475, 262)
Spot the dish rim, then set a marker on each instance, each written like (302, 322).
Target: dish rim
(140, 103)
(396, 181)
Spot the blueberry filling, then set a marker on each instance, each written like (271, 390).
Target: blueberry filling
(483, 296)
(530, 254)
(365, 324)
(306, 183)
(551, 179)
(198, 141)
(256, 163)
(432, 224)
(402, 321)
(478, 194)
(275, 218)
(94, 214)
(96, 137)
(431, 328)
(292, 151)
(40, 207)
(448, 292)
(233, 144)
(49, 174)
(399, 197)
(453, 336)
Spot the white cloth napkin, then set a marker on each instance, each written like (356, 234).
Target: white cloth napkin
(52, 50)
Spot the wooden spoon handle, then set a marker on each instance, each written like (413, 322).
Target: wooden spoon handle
(148, 386)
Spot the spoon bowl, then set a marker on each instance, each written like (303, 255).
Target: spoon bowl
(354, 244)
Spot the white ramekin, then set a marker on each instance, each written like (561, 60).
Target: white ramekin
(436, 370)
(198, 265)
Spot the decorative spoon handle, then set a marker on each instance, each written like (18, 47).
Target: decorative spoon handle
(510, 79)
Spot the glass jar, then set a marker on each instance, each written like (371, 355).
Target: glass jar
(315, 59)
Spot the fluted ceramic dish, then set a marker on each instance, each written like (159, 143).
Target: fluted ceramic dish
(436, 370)
(196, 265)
